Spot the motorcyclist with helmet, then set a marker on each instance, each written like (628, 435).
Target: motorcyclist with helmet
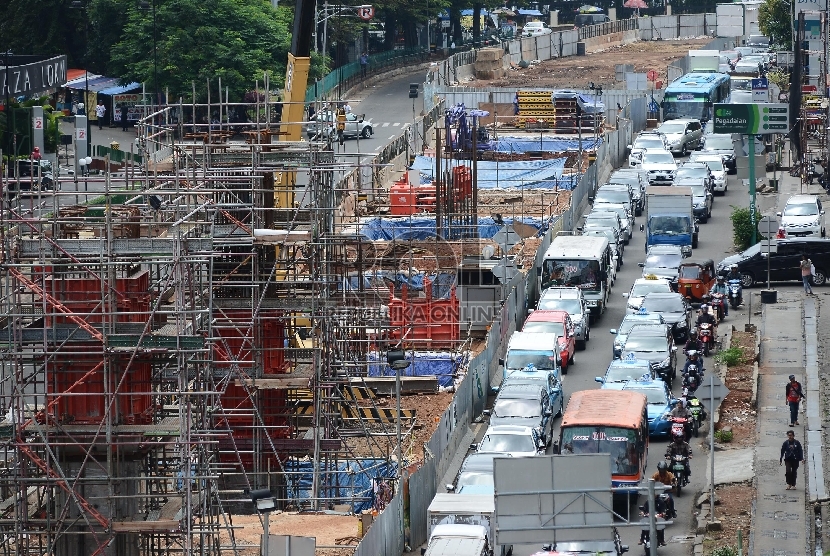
(733, 273)
(694, 357)
(721, 288)
(693, 343)
(705, 317)
(679, 447)
(666, 477)
(681, 411)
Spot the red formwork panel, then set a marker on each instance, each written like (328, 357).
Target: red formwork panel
(83, 297)
(81, 395)
(425, 322)
(237, 343)
(247, 429)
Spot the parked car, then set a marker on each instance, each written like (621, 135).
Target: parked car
(675, 310)
(572, 301)
(654, 343)
(783, 264)
(535, 29)
(621, 371)
(716, 167)
(559, 323)
(515, 440)
(641, 288)
(660, 167)
(803, 215)
(583, 20)
(683, 135)
(629, 322)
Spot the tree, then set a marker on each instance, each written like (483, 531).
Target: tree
(201, 40)
(774, 21)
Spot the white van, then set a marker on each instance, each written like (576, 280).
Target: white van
(581, 261)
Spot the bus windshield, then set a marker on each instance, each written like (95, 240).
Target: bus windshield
(620, 442)
(686, 105)
(578, 272)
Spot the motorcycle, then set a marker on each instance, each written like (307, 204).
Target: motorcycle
(735, 293)
(698, 413)
(681, 427)
(719, 303)
(677, 465)
(661, 505)
(691, 380)
(817, 172)
(707, 337)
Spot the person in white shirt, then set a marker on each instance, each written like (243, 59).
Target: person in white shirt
(100, 112)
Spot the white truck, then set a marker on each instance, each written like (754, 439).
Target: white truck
(476, 510)
(670, 218)
(730, 20)
(704, 61)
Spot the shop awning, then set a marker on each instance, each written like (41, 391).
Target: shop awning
(99, 83)
(119, 89)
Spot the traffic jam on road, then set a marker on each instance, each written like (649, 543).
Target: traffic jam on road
(561, 393)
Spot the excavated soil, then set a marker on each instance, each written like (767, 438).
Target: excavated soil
(734, 513)
(736, 411)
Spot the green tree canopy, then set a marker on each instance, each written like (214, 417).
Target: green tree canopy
(774, 20)
(200, 40)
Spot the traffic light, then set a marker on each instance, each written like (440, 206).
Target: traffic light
(413, 90)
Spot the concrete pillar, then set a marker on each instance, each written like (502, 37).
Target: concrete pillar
(612, 14)
(80, 141)
(38, 127)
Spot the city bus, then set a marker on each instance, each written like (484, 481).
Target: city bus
(694, 95)
(581, 261)
(611, 422)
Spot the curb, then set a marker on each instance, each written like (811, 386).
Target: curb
(756, 375)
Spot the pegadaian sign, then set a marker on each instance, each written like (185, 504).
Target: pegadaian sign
(32, 78)
(751, 118)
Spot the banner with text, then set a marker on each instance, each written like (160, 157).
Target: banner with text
(754, 118)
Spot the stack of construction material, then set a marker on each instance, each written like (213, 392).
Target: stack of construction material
(535, 109)
(489, 63)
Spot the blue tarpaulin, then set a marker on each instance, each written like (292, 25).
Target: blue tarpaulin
(442, 283)
(422, 228)
(530, 12)
(349, 482)
(527, 174)
(544, 144)
(443, 365)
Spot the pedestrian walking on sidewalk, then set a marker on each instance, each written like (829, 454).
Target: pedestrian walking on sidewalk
(806, 273)
(100, 112)
(794, 396)
(364, 65)
(791, 456)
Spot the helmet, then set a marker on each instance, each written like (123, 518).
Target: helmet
(37, 149)
(693, 333)
(704, 308)
(662, 466)
(733, 267)
(721, 278)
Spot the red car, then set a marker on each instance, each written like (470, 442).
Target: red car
(555, 322)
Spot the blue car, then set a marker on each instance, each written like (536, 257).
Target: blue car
(622, 371)
(621, 333)
(660, 403)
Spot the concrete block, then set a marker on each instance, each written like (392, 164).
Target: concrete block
(489, 54)
(490, 74)
(701, 526)
(714, 526)
(703, 499)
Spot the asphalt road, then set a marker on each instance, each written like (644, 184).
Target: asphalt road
(715, 242)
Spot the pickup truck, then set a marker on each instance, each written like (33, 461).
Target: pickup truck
(465, 509)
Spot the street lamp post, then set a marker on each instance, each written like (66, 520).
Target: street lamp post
(265, 503)
(82, 5)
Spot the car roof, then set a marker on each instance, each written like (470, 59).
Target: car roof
(645, 280)
(670, 249)
(678, 120)
(649, 318)
(547, 315)
(518, 390)
(648, 330)
(802, 200)
(481, 461)
(629, 362)
(645, 384)
(664, 295)
(692, 164)
(566, 292)
(508, 429)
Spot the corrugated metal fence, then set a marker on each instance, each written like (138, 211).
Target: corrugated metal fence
(385, 536)
(422, 485)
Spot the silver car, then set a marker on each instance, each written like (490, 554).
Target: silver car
(683, 135)
(324, 125)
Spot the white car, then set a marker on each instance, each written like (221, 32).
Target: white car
(645, 141)
(643, 287)
(715, 164)
(535, 29)
(803, 216)
(513, 440)
(660, 166)
(626, 217)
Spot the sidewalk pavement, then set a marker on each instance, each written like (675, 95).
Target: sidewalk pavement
(782, 519)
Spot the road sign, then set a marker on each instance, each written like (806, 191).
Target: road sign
(751, 118)
(80, 134)
(768, 226)
(713, 390)
(760, 90)
(38, 122)
(651, 75)
(365, 12)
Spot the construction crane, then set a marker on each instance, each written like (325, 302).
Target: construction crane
(296, 72)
